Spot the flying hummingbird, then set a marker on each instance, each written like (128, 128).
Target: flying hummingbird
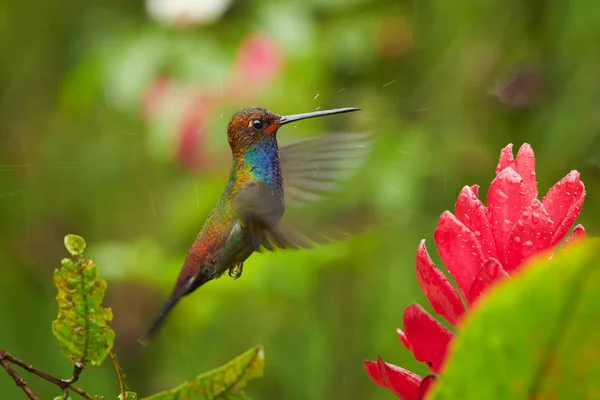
(264, 180)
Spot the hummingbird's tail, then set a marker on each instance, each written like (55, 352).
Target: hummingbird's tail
(164, 312)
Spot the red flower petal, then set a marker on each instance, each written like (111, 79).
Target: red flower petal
(425, 386)
(506, 158)
(506, 202)
(525, 166)
(460, 250)
(403, 383)
(404, 339)
(473, 214)
(531, 235)
(491, 272)
(437, 288)
(373, 372)
(577, 234)
(563, 203)
(428, 339)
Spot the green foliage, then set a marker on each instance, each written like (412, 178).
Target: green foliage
(535, 336)
(76, 151)
(83, 335)
(225, 382)
(81, 326)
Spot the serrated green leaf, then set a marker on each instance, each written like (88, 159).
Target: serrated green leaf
(81, 326)
(534, 336)
(224, 383)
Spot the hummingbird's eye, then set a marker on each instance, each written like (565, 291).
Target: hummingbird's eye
(258, 124)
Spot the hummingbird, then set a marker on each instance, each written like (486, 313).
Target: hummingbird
(264, 181)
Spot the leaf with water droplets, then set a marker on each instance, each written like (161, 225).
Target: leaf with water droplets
(81, 327)
(223, 383)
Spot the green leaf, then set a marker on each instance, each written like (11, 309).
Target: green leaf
(224, 383)
(81, 325)
(534, 336)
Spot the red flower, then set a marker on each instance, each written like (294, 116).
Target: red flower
(480, 246)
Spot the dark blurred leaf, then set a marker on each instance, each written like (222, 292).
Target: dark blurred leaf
(225, 382)
(535, 336)
(81, 325)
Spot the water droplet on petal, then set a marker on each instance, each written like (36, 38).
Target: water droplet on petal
(528, 243)
(517, 239)
(502, 197)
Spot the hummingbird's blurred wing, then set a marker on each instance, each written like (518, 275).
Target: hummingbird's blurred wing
(259, 208)
(313, 167)
(310, 169)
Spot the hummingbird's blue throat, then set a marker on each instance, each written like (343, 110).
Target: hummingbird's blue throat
(263, 160)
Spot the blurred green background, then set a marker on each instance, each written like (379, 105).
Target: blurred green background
(113, 123)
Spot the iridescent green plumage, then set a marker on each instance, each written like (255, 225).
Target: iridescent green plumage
(249, 216)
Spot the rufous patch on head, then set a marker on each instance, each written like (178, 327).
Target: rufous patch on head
(271, 128)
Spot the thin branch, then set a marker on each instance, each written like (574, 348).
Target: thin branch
(120, 374)
(16, 377)
(64, 384)
(77, 368)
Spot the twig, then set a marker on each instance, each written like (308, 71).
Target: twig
(77, 368)
(17, 378)
(120, 375)
(64, 384)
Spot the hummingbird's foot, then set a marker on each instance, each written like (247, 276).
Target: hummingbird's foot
(236, 270)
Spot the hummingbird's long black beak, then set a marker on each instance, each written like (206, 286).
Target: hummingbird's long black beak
(286, 119)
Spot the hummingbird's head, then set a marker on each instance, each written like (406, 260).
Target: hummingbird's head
(251, 125)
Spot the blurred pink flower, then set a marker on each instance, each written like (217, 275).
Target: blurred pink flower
(258, 60)
(480, 246)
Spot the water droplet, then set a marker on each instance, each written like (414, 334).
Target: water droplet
(502, 197)
(535, 217)
(528, 243)
(517, 239)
